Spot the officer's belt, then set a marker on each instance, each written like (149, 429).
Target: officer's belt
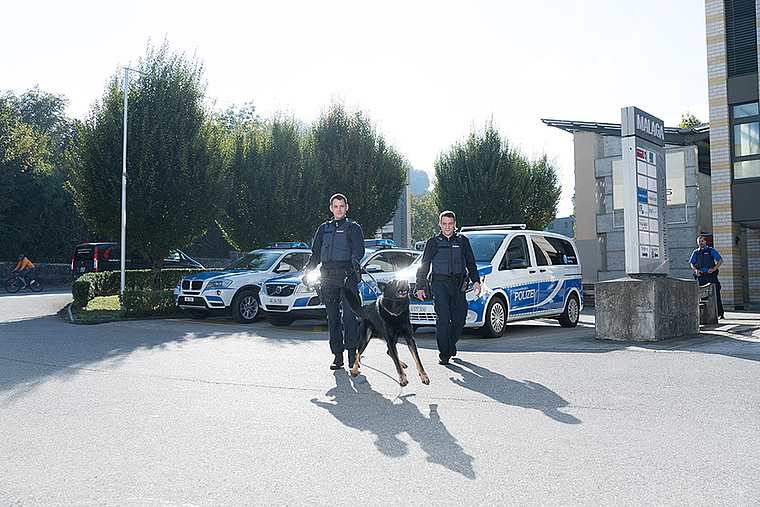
(455, 279)
(336, 272)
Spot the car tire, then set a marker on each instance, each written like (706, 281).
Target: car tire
(570, 316)
(199, 314)
(279, 320)
(495, 318)
(246, 307)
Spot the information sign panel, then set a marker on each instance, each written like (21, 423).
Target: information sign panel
(644, 189)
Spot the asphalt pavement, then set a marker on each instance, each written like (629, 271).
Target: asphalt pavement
(179, 412)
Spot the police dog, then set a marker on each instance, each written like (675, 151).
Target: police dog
(387, 318)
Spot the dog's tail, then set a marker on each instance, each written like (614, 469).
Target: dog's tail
(353, 301)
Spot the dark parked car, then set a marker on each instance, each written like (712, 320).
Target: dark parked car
(90, 257)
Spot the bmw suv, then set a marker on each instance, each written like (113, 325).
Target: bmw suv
(236, 288)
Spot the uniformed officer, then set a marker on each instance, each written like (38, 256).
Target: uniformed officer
(450, 255)
(339, 245)
(705, 262)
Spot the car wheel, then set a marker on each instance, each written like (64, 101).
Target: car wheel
(570, 316)
(496, 318)
(279, 320)
(245, 306)
(199, 314)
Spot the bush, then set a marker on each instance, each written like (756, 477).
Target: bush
(145, 303)
(82, 292)
(107, 283)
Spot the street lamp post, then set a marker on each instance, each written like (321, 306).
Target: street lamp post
(124, 186)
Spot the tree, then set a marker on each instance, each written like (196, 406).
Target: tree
(269, 195)
(688, 120)
(353, 159)
(484, 181)
(176, 159)
(418, 181)
(35, 209)
(424, 216)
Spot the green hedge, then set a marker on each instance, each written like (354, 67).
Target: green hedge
(146, 303)
(107, 283)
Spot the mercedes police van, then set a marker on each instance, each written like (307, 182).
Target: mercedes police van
(524, 274)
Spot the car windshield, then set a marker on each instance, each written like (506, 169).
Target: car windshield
(256, 261)
(485, 244)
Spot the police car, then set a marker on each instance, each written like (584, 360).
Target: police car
(524, 274)
(236, 288)
(286, 298)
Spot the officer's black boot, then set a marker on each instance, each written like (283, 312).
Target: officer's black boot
(338, 362)
(351, 357)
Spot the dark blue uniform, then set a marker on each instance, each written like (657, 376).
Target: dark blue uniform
(449, 259)
(704, 259)
(336, 244)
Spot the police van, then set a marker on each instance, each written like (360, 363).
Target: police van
(524, 274)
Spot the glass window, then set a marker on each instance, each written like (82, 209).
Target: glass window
(541, 259)
(747, 169)
(485, 244)
(516, 251)
(553, 253)
(675, 174)
(565, 250)
(256, 261)
(617, 184)
(747, 139)
(744, 110)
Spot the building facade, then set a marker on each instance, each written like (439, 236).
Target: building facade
(713, 174)
(733, 90)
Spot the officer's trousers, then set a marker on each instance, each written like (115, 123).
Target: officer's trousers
(344, 332)
(450, 312)
(706, 278)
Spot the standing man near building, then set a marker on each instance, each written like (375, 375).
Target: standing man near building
(705, 262)
(449, 254)
(339, 245)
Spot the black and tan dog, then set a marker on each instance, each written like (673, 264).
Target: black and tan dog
(387, 318)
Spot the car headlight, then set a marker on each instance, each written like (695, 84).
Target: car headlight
(311, 277)
(216, 284)
(304, 289)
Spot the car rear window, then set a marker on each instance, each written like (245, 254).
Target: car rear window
(84, 253)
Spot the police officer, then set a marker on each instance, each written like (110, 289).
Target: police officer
(705, 262)
(339, 245)
(450, 254)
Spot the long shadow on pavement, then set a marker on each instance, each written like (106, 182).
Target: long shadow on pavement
(525, 394)
(355, 404)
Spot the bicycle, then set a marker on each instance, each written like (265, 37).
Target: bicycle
(17, 282)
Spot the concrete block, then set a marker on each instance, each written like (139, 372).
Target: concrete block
(646, 308)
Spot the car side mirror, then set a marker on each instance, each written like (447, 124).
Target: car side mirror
(372, 268)
(518, 264)
(283, 268)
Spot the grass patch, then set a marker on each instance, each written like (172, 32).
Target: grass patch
(102, 307)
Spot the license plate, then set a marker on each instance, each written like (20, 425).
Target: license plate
(276, 301)
(188, 299)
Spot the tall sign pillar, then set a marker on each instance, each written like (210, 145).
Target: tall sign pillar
(644, 193)
(648, 305)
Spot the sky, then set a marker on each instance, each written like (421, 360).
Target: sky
(427, 73)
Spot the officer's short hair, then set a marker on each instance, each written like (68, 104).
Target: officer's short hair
(700, 237)
(448, 214)
(339, 197)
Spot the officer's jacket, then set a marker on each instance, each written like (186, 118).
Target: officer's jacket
(704, 259)
(448, 257)
(336, 243)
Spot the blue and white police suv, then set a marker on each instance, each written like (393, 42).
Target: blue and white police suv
(524, 274)
(236, 288)
(286, 298)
